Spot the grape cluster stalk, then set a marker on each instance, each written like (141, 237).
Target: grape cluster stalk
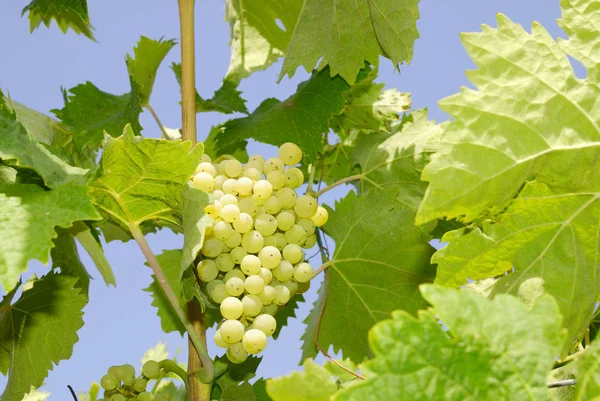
(121, 384)
(253, 260)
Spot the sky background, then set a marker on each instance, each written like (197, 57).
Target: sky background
(120, 324)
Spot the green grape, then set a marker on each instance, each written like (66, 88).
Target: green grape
(252, 305)
(232, 331)
(282, 295)
(118, 397)
(250, 265)
(161, 397)
(270, 309)
(217, 292)
(272, 206)
(266, 275)
(204, 182)
(237, 254)
(218, 194)
(219, 342)
(277, 179)
(233, 168)
(244, 186)
(145, 396)
(212, 247)
(236, 353)
(281, 241)
(109, 382)
(248, 205)
(244, 223)
(114, 370)
(108, 394)
(230, 213)
(265, 323)
(267, 295)
(303, 272)
(293, 253)
(254, 341)
(205, 158)
(290, 154)
(129, 380)
(296, 235)
(265, 224)
(140, 384)
(228, 199)
(207, 270)
(256, 159)
(308, 226)
(284, 271)
(222, 230)
(294, 178)
(127, 371)
(306, 206)
(285, 220)
(260, 210)
(253, 173)
(270, 241)
(234, 273)
(231, 308)
(263, 189)
(287, 197)
(151, 369)
(269, 257)
(292, 286)
(303, 287)
(234, 240)
(254, 284)
(207, 167)
(320, 216)
(275, 283)
(230, 187)
(252, 241)
(311, 240)
(224, 262)
(235, 286)
(219, 180)
(214, 209)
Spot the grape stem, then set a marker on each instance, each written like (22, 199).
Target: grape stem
(158, 380)
(338, 183)
(170, 366)
(155, 116)
(311, 178)
(323, 267)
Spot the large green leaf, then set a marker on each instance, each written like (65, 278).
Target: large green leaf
(141, 181)
(314, 384)
(29, 216)
(530, 116)
(587, 374)
(195, 223)
(93, 247)
(348, 32)
(497, 350)
(39, 330)
(65, 257)
(67, 14)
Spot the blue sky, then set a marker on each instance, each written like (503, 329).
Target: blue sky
(120, 324)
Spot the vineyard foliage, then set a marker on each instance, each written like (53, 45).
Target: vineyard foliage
(510, 185)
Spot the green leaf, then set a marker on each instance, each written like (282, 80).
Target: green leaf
(233, 384)
(260, 390)
(347, 33)
(501, 135)
(314, 384)
(45, 321)
(497, 350)
(195, 222)
(30, 215)
(92, 245)
(587, 373)
(237, 149)
(66, 13)
(286, 312)
(171, 392)
(35, 395)
(334, 163)
(65, 257)
(141, 181)
(91, 112)
(302, 118)
(144, 64)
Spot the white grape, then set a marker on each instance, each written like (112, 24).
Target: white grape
(256, 159)
(235, 286)
(254, 164)
(267, 295)
(248, 205)
(234, 240)
(253, 173)
(290, 154)
(270, 241)
(236, 353)
(270, 257)
(234, 273)
(277, 179)
(252, 304)
(231, 308)
(232, 331)
(306, 206)
(287, 197)
(254, 341)
(207, 168)
(244, 223)
(252, 241)
(285, 220)
(212, 247)
(296, 235)
(254, 284)
(222, 230)
(294, 178)
(237, 254)
(205, 158)
(320, 216)
(266, 275)
(204, 182)
(282, 295)
(228, 199)
(230, 186)
(230, 213)
(244, 186)
(308, 225)
(219, 342)
(217, 194)
(224, 262)
(259, 201)
(311, 240)
(221, 166)
(219, 180)
(250, 265)
(273, 164)
(292, 286)
(293, 253)
(263, 189)
(233, 168)
(266, 224)
(265, 323)
(216, 291)
(281, 241)
(284, 271)
(270, 309)
(272, 205)
(214, 209)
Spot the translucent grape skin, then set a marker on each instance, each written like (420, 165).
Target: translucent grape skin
(235, 286)
(303, 272)
(231, 308)
(269, 257)
(265, 323)
(320, 217)
(109, 382)
(254, 341)
(282, 295)
(236, 353)
(290, 154)
(232, 331)
(254, 284)
(219, 342)
(250, 265)
(151, 369)
(252, 305)
(140, 384)
(293, 253)
(145, 396)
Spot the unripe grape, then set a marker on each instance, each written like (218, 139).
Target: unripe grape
(311, 240)
(219, 342)
(231, 308)
(308, 225)
(207, 270)
(277, 179)
(230, 186)
(306, 206)
(253, 173)
(151, 369)
(205, 158)
(228, 199)
(252, 241)
(234, 273)
(219, 181)
(270, 241)
(204, 182)
(235, 286)
(232, 331)
(236, 353)
(207, 168)
(320, 216)
(290, 154)
(265, 224)
(250, 265)
(224, 262)
(265, 323)
(212, 247)
(281, 241)
(118, 397)
(294, 178)
(292, 286)
(221, 166)
(237, 254)
(109, 382)
(254, 284)
(256, 159)
(263, 189)
(222, 230)
(244, 186)
(230, 213)
(293, 253)
(267, 295)
(115, 371)
(273, 164)
(270, 257)
(303, 272)
(254, 341)
(284, 271)
(272, 205)
(217, 194)
(296, 235)
(266, 275)
(287, 197)
(140, 384)
(248, 205)
(259, 202)
(303, 287)
(145, 396)
(233, 168)
(271, 309)
(252, 305)
(216, 290)
(234, 240)
(244, 223)
(285, 220)
(282, 295)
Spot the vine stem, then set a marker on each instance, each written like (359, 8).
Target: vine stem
(323, 267)
(155, 116)
(188, 70)
(338, 183)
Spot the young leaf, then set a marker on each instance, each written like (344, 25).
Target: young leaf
(498, 350)
(347, 33)
(314, 384)
(67, 14)
(50, 310)
(35, 395)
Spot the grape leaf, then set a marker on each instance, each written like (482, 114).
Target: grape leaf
(45, 321)
(532, 120)
(347, 33)
(587, 374)
(169, 391)
(195, 222)
(302, 118)
(66, 13)
(144, 64)
(233, 384)
(35, 395)
(237, 149)
(140, 182)
(497, 350)
(92, 245)
(314, 384)
(65, 257)
(260, 390)
(29, 215)
(334, 163)
(286, 312)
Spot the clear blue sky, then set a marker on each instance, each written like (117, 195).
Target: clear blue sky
(120, 325)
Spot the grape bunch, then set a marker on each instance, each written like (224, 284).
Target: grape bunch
(121, 384)
(252, 257)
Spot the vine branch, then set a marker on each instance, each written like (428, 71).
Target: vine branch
(338, 183)
(323, 267)
(188, 70)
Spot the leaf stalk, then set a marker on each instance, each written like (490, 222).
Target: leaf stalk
(338, 183)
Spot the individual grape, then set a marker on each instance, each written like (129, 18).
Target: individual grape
(285, 220)
(248, 205)
(233, 168)
(230, 186)
(294, 178)
(290, 154)
(252, 305)
(265, 323)
(127, 372)
(281, 241)
(230, 213)
(216, 291)
(254, 284)
(109, 382)
(226, 249)
(228, 199)
(267, 295)
(234, 240)
(207, 167)
(256, 159)
(284, 271)
(115, 371)
(232, 331)
(151, 369)
(296, 235)
(205, 158)
(271, 309)
(235, 286)
(320, 216)
(287, 197)
(259, 202)
(308, 226)
(221, 166)
(145, 396)
(212, 247)
(265, 224)
(266, 275)
(234, 273)
(118, 397)
(224, 262)
(273, 164)
(277, 179)
(139, 385)
(250, 265)
(311, 240)
(263, 189)
(269, 257)
(219, 342)
(237, 254)
(293, 253)
(236, 353)
(292, 286)
(272, 205)
(253, 173)
(207, 270)
(252, 241)
(270, 241)
(306, 206)
(282, 295)
(204, 182)
(222, 230)
(218, 194)
(231, 308)
(254, 341)
(244, 186)
(303, 287)
(303, 272)
(275, 283)
(244, 223)
(219, 181)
